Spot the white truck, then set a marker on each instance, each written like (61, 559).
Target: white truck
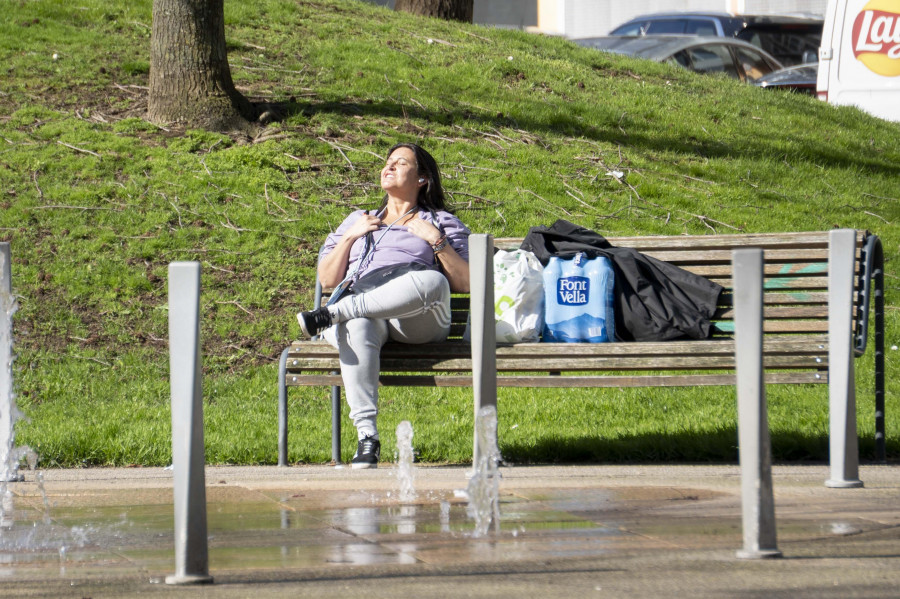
(859, 60)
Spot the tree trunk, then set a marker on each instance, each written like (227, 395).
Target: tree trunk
(190, 80)
(455, 10)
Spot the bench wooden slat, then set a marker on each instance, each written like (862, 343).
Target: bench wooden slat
(777, 283)
(772, 256)
(525, 381)
(805, 344)
(779, 312)
(801, 240)
(783, 298)
(585, 362)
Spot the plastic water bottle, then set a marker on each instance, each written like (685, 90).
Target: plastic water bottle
(599, 272)
(578, 297)
(551, 305)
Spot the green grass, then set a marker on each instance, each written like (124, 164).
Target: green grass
(96, 203)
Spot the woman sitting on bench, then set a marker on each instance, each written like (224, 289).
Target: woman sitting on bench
(392, 271)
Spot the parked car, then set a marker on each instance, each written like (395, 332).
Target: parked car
(792, 39)
(734, 58)
(800, 78)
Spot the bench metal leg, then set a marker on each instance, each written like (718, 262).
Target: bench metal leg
(336, 423)
(843, 442)
(757, 498)
(483, 326)
(282, 410)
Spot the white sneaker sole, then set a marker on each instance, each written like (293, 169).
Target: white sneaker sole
(303, 325)
(362, 466)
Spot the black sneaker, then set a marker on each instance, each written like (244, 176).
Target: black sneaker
(314, 322)
(367, 453)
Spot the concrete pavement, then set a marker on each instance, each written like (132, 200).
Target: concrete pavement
(566, 531)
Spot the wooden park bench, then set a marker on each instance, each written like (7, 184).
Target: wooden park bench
(800, 315)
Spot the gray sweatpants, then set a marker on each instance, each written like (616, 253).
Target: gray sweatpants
(412, 308)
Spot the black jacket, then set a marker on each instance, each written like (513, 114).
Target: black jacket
(654, 300)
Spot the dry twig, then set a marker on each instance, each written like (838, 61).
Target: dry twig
(235, 302)
(336, 147)
(62, 143)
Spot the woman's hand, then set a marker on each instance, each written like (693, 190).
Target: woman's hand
(364, 225)
(333, 267)
(424, 230)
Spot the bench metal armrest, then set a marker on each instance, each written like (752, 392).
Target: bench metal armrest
(872, 270)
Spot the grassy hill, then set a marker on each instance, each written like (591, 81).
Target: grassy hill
(97, 202)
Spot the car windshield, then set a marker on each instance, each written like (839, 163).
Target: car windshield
(629, 29)
(789, 45)
(753, 64)
(712, 58)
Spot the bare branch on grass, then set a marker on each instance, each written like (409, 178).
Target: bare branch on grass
(580, 201)
(484, 39)
(277, 205)
(476, 199)
(268, 136)
(546, 201)
(477, 168)
(502, 149)
(207, 251)
(352, 149)
(212, 266)
(235, 302)
(125, 88)
(61, 207)
(92, 359)
(865, 195)
(877, 216)
(336, 147)
(575, 189)
(177, 211)
(267, 66)
(391, 46)
(62, 143)
(38, 187)
(622, 180)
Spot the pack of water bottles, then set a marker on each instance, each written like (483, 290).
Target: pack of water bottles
(578, 300)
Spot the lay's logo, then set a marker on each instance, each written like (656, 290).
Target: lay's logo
(876, 37)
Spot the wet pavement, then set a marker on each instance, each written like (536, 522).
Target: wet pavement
(565, 531)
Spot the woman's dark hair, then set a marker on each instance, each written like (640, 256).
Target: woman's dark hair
(431, 195)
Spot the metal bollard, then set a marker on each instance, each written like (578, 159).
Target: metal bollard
(9, 467)
(843, 443)
(757, 499)
(188, 459)
(483, 327)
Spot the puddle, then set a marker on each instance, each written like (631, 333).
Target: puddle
(270, 534)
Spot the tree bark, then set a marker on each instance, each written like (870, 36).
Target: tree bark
(453, 10)
(190, 80)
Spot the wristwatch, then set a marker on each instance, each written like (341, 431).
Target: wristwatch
(440, 245)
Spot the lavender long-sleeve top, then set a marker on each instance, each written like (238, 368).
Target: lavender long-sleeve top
(399, 246)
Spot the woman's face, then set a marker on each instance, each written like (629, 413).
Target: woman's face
(400, 174)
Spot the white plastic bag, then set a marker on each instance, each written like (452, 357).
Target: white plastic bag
(518, 296)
